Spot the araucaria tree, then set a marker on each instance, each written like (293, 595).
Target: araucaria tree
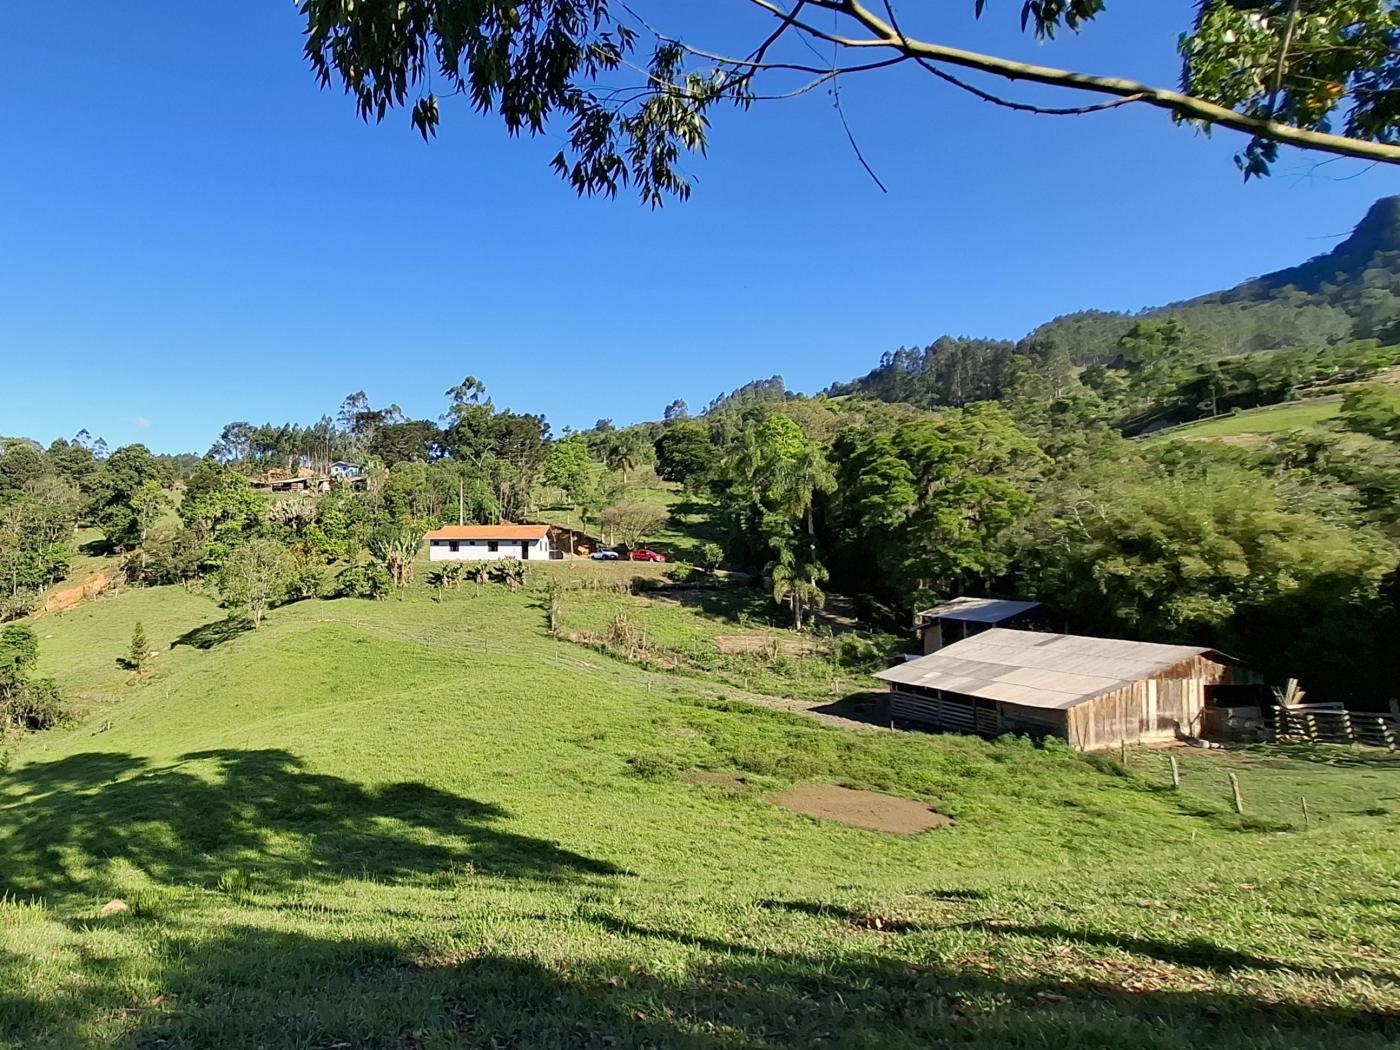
(136, 651)
(636, 96)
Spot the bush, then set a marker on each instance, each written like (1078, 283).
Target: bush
(681, 572)
(21, 603)
(653, 767)
(364, 581)
(711, 554)
(33, 705)
(858, 654)
(307, 582)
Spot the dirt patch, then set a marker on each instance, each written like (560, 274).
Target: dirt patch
(771, 646)
(704, 778)
(862, 809)
(67, 597)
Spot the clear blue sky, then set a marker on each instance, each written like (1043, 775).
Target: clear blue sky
(192, 232)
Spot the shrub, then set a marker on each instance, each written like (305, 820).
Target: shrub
(623, 633)
(681, 572)
(511, 572)
(364, 581)
(308, 582)
(855, 653)
(711, 555)
(33, 705)
(21, 603)
(653, 767)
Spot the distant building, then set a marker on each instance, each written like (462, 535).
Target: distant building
(963, 617)
(489, 543)
(1092, 692)
(302, 479)
(346, 471)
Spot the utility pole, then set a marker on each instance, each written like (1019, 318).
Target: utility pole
(461, 502)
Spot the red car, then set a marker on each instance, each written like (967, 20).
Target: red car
(646, 554)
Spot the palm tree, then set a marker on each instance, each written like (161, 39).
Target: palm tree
(798, 584)
(797, 481)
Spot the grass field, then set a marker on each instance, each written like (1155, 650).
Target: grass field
(421, 823)
(1275, 419)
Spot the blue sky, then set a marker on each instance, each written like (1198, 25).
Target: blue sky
(192, 232)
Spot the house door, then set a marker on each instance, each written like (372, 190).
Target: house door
(524, 550)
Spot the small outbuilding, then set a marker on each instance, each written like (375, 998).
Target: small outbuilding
(1092, 692)
(963, 617)
(489, 543)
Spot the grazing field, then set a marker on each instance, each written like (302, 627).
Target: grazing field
(1275, 419)
(426, 823)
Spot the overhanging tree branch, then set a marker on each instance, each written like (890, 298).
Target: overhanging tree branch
(1183, 106)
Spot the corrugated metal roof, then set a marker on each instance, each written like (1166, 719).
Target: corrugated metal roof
(489, 532)
(977, 610)
(1036, 669)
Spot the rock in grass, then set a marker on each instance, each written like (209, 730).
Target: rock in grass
(114, 907)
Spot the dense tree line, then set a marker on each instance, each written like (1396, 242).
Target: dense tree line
(1209, 544)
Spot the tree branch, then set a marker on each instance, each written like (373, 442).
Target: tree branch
(1185, 107)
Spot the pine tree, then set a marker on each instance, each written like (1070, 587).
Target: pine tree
(136, 654)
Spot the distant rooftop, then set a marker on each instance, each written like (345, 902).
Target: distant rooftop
(490, 532)
(978, 610)
(1036, 669)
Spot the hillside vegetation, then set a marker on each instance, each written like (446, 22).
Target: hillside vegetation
(423, 822)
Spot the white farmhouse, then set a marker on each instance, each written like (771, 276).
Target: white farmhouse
(489, 543)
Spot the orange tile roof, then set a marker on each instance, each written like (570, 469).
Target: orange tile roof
(490, 532)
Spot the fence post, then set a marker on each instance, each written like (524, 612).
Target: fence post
(1235, 787)
(1176, 772)
(1305, 813)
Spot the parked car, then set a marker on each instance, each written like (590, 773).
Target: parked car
(647, 554)
(605, 554)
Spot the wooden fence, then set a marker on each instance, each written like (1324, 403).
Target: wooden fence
(1334, 724)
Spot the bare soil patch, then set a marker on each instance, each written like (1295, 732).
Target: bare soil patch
(768, 644)
(862, 809)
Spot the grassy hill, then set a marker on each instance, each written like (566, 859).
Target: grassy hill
(1272, 419)
(423, 823)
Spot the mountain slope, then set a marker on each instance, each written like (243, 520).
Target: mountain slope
(1351, 292)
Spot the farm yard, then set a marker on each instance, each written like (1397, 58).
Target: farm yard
(425, 821)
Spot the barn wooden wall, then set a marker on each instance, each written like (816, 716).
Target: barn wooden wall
(1149, 711)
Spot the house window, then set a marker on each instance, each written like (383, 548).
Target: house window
(492, 546)
(452, 546)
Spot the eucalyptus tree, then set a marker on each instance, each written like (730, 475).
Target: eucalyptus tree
(634, 96)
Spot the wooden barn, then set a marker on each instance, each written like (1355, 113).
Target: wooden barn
(963, 617)
(1092, 692)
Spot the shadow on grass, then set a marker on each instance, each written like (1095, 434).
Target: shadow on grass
(68, 822)
(1191, 951)
(207, 636)
(251, 986)
(1328, 754)
(849, 916)
(869, 707)
(98, 548)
